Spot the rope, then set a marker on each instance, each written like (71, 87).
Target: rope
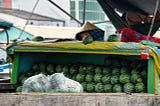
(28, 19)
(153, 20)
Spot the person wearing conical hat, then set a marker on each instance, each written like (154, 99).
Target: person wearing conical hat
(89, 29)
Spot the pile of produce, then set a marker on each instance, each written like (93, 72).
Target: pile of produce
(115, 75)
(54, 83)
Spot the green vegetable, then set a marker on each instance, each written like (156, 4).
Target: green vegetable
(90, 87)
(106, 79)
(144, 73)
(128, 87)
(74, 77)
(124, 78)
(99, 87)
(35, 67)
(69, 76)
(90, 69)
(74, 69)
(80, 78)
(98, 70)
(114, 79)
(106, 71)
(97, 78)
(136, 78)
(87, 39)
(65, 69)
(124, 70)
(42, 67)
(115, 71)
(113, 38)
(22, 78)
(58, 68)
(37, 72)
(117, 88)
(89, 78)
(82, 69)
(84, 85)
(37, 38)
(139, 87)
(19, 89)
(135, 71)
(108, 88)
(50, 68)
(29, 73)
(22, 81)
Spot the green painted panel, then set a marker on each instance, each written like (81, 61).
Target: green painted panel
(150, 78)
(15, 69)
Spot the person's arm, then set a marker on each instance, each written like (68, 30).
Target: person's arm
(133, 18)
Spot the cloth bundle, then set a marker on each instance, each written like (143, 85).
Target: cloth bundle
(129, 35)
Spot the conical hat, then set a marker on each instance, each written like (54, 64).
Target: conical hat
(88, 26)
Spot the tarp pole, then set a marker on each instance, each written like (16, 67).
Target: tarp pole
(65, 12)
(84, 11)
(153, 20)
(7, 35)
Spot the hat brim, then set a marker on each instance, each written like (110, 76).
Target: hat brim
(88, 26)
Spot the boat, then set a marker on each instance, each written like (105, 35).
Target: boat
(5, 71)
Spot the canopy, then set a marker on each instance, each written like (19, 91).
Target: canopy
(143, 6)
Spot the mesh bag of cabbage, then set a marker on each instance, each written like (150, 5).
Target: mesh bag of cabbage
(60, 83)
(36, 83)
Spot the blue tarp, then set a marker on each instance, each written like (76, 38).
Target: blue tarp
(5, 66)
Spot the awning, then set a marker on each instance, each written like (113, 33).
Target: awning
(142, 6)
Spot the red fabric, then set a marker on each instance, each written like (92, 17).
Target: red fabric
(129, 35)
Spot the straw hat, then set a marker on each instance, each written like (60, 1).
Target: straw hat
(88, 26)
(89, 29)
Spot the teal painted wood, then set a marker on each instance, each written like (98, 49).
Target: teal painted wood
(14, 33)
(5, 25)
